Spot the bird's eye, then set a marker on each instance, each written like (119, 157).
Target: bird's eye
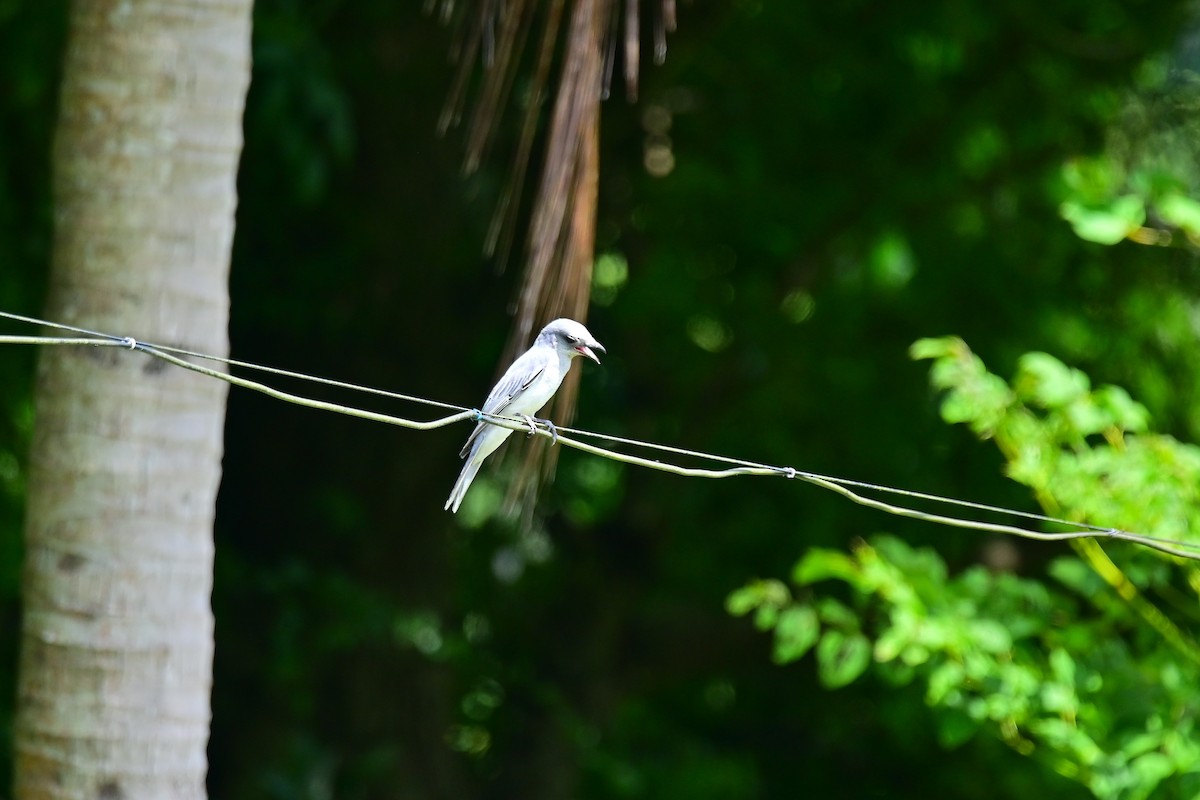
(572, 339)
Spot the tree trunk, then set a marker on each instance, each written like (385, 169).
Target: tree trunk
(117, 638)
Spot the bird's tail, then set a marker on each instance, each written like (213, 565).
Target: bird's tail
(462, 484)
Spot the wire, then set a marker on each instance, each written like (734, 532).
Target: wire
(841, 481)
(218, 359)
(174, 355)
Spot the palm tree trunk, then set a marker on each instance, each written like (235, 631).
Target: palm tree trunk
(117, 637)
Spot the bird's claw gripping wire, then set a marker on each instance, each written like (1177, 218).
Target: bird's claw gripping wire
(533, 422)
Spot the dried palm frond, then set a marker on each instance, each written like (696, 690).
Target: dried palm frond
(561, 239)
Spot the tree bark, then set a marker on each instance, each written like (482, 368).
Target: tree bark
(117, 636)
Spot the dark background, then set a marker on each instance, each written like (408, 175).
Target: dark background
(847, 178)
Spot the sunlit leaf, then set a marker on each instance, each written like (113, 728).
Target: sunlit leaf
(795, 633)
(1180, 210)
(820, 564)
(1043, 379)
(842, 657)
(1108, 223)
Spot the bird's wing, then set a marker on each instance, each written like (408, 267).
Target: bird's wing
(510, 387)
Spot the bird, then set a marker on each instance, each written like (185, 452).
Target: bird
(524, 388)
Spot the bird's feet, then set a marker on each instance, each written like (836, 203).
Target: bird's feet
(532, 422)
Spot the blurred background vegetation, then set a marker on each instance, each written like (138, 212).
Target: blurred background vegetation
(801, 192)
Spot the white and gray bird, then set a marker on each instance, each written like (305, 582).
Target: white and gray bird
(527, 386)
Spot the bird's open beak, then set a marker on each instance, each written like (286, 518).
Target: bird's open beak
(586, 350)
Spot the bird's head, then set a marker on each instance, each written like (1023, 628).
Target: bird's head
(569, 337)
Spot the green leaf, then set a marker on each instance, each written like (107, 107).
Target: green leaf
(1127, 414)
(1044, 379)
(891, 643)
(1106, 223)
(989, 636)
(795, 633)
(1062, 665)
(1094, 179)
(979, 399)
(836, 614)
(1066, 736)
(942, 347)
(1151, 769)
(917, 563)
(757, 593)
(820, 564)
(947, 677)
(742, 601)
(1076, 575)
(765, 617)
(842, 657)
(1181, 211)
(1059, 698)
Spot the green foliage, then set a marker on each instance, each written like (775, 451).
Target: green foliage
(1093, 207)
(1074, 446)
(1145, 186)
(1089, 678)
